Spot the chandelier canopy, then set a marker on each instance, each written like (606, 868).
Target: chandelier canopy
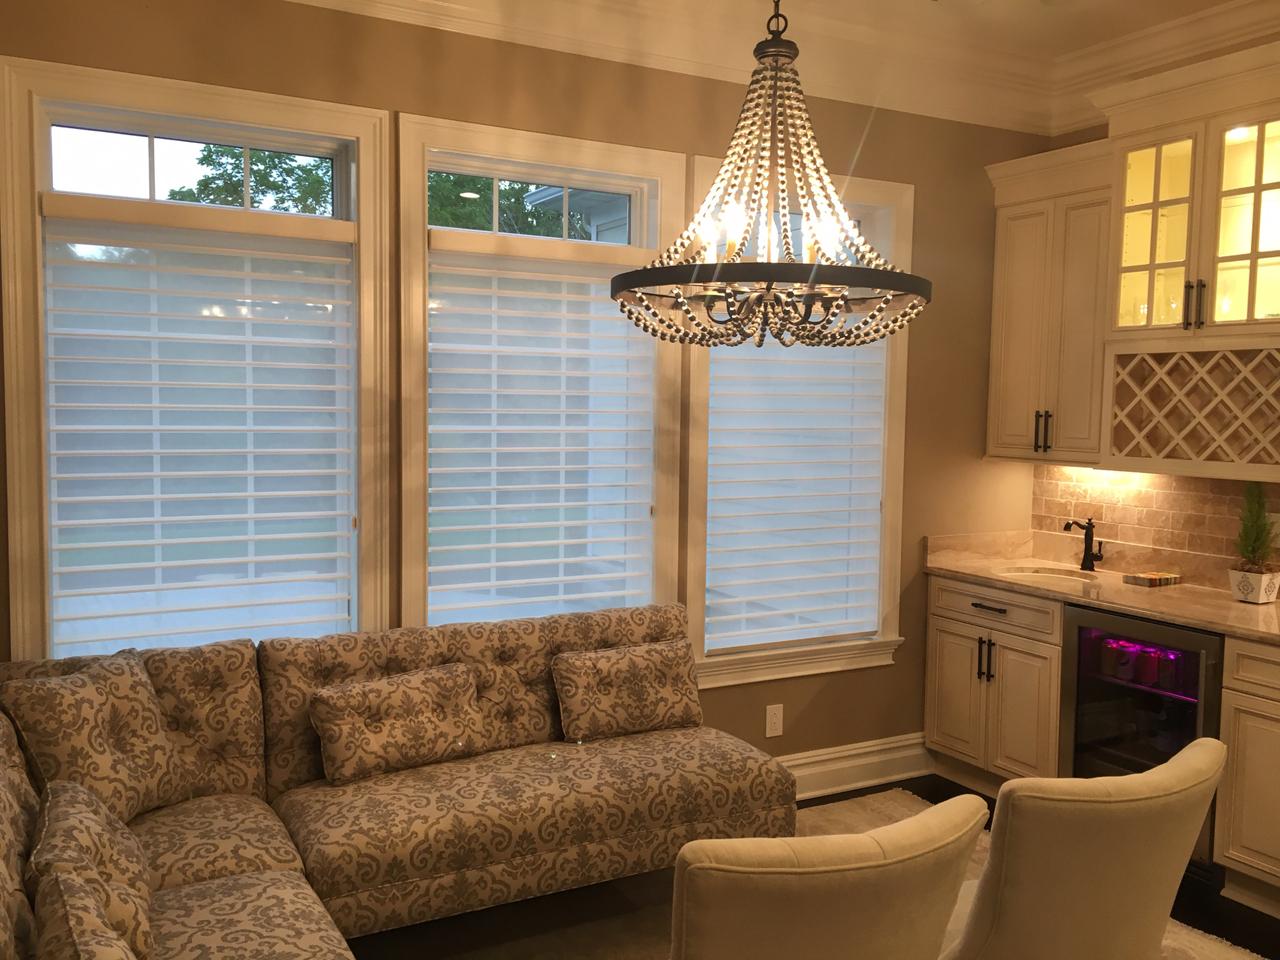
(772, 251)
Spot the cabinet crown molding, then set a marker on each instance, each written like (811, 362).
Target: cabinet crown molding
(1042, 176)
(1201, 89)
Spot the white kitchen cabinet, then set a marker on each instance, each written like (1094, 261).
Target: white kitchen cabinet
(1022, 706)
(991, 696)
(1197, 227)
(1049, 306)
(955, 701)
(1247, 834)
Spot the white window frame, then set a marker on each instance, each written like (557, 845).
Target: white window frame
(866, 199)
(34, 96)
(419, 136)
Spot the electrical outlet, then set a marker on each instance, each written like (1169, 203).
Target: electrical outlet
(773, 720)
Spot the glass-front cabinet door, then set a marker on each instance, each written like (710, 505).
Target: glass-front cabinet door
(1241, 254)
(1157, 279)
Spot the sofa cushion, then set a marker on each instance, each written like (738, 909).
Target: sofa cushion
(78, 835)
(512, 660)
(212, 702)
(442, 839)
(104, 728)
(394, 723)
(73, 921)
(609, 693)
(254, 916)
(19, 807)
(211, 837)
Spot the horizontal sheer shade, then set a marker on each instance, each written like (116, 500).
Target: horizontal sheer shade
(795, 449)
(200, 418)
(540, 441)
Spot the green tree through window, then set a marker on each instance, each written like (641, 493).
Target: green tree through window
(277, 181)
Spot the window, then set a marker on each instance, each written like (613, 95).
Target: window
(795, 440)
(540, 429)
(145, 167)
(200, 421)
(203, 373)
(540, 424)
(793, 510)
(524, 208)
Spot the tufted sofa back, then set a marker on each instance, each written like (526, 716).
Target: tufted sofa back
(212, 699)
(511, 659)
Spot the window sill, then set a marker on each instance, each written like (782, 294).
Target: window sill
(731, 669)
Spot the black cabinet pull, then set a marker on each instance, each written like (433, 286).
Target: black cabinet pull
(1039, 417)
(1200, 285)
(1048, 418)
(991, 659)
(990, 609)
(982, 644)
(1186, 304)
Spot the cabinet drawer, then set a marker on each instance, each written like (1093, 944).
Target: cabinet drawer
(1252, 667)
(990, 606)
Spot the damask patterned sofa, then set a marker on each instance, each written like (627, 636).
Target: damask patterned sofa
(264, 857)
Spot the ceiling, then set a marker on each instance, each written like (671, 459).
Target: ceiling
(1022, 64)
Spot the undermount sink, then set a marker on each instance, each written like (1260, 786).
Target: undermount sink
(1049, 576)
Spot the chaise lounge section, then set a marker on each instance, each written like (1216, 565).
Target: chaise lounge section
(254, 853)
(535, 814)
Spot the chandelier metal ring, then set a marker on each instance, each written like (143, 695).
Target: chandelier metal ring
(772, 251)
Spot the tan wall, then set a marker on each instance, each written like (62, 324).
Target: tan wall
(288, 48)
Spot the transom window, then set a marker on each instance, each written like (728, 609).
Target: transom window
(523, 207)
(141, 166)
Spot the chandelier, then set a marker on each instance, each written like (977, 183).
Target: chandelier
(772, 251)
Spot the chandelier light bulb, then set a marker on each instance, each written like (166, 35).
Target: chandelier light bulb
(795, 266)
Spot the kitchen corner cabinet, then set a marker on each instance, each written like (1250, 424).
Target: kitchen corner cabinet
(991, 696)
(1247, 838)
(1049, 310)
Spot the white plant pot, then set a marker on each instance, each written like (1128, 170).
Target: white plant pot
(1255, 587)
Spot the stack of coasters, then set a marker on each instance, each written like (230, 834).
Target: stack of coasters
(1153, 579)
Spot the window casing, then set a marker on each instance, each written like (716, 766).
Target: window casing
(221, 368)
(793, 507)
(540, 430)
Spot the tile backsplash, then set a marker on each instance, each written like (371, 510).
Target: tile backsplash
(1155, 519)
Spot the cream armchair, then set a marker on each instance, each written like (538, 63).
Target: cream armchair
(1089, 868)
(886, 894)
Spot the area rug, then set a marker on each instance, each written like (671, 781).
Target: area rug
(630, 919)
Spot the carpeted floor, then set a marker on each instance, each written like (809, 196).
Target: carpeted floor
(630, 919)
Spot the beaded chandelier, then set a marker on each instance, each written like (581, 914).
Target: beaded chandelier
(772, 250)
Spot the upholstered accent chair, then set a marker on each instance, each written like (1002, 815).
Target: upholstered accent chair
(1089, 868)
(884, 894)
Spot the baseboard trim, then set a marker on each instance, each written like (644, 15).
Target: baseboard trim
(1251, 892)
(853, 766)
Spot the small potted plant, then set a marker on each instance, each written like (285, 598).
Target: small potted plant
(1255, 578)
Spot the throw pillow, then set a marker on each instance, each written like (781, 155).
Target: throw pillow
(102, 727)
(368, 727)
(77, 836)
(629, 689)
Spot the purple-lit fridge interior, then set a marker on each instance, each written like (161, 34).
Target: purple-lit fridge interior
(1136, 703)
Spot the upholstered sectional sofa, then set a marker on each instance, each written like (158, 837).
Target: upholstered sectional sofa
(252, 852)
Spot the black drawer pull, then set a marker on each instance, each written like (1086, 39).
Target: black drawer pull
(1039, 416)
(990, 609)
(991, 659)
(982, 645)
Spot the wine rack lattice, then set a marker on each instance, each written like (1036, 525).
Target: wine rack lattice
(1211, 406)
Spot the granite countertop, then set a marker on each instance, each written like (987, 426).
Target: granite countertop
(990, 563)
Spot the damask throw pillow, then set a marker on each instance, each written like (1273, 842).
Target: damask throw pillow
(628, 689)
(78, 837)
(368, 727)
(102, 727)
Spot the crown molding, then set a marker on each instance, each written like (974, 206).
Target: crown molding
(940, 78)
